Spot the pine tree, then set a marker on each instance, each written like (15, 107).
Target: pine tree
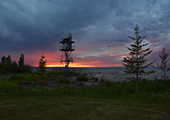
(164, 60)
(14, 66)
(8, 64)
(136, 63)
(3, 60)
(8, 59)
(42, 65)
(21, 60)
(21, 63)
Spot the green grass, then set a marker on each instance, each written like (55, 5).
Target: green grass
(106, 89)
(7, 86)
(107, 101)
(75, 108)
(25, 77)
(4, 77)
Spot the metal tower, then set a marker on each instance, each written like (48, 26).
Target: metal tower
(67, 46)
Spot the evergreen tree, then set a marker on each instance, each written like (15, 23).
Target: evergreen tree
(136, 63)
(21, 60)
(14, 67)
(21, 63)
(3, 60)
(7, 66)
(164, 60)
(22, 67)
(42, 65)
(8, 59)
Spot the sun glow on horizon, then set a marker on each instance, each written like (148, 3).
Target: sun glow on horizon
(72, 65)
(82, 65)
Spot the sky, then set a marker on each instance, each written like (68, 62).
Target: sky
(100, 29)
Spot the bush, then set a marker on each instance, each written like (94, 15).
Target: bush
(106, 83)
(64, 80)
(82, 78)
(24, 77)
(145, 81)
(95, 79)
(7, 86)
(67, 74)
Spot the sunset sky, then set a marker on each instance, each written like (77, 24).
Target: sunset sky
(100, 29)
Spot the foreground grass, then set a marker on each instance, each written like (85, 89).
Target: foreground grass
(76, 108)
(108, 101)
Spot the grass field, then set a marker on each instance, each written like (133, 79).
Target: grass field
(108, 101)
(73, 108)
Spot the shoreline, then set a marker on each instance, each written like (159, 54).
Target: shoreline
(108, 73)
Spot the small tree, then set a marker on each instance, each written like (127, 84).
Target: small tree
(6, 63)
(21, 60)
(164, 60)
(14, 66)
(42, 65)
(3, 60)
(8, 59)
(21, 63)
(136, 63)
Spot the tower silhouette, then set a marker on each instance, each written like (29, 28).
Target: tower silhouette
(67, 46)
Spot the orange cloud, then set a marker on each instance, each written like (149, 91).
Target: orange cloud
(91, 61)
(117, 65)
(54, 58)
(154, 40)
(118, 54)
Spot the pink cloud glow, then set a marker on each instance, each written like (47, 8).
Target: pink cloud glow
(119, 54)
(54, 58)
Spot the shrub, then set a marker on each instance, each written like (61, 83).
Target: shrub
(7, 86)
(69, 73)
(106, 83)
(102, 82)
(95, 79)
(64, 80)
(82, 78)
(24, 77)
(145, 81)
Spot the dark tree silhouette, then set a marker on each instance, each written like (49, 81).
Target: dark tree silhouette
(8, 59)
(21, 61)
(42, 65)
(14, 67)
(3, 60)
(136, 63)
(7, 65)
(164, 62)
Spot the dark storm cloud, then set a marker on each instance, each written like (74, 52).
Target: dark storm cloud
(97, 26)
(42, 22)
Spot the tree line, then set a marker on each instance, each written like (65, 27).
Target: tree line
(9, 66)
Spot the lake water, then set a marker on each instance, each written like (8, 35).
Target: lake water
(110, 73)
